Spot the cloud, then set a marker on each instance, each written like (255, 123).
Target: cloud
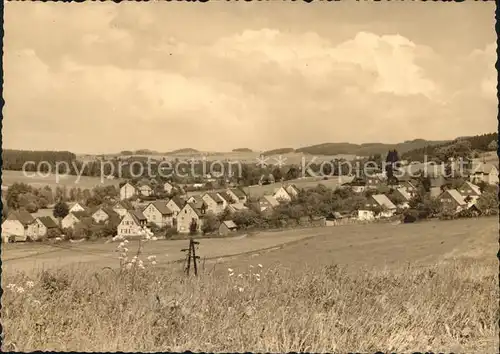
(390, 57)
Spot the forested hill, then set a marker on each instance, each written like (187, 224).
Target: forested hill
(367, 149)
(14, 159)
(479, 143)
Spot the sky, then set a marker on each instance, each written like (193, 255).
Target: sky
(103, 77)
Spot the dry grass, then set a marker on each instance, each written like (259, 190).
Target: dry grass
(450, 306)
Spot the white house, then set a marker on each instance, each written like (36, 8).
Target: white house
(168, 187)
(292, 191)
(189, 214)
(403, 194)
(484, 172)
(281, 195)
(40, 227)
(268, 202)
(175, 205)
(158, 213)
(146, 190)
(127, 191)
(470, 191)
(237, 195)
(122, 207)
(453, 200)
(76, 207)
(377, 201)
(215, 204)
(104, 214)
(15, 227)
(70, 220)
(133, 224)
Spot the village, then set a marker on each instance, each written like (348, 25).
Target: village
(137, 210)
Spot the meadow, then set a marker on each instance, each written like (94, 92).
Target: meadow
(40, 181)
(421, 287)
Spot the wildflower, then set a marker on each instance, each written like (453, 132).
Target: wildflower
(128, 266)
(231, 274)
(241, 290)
(240, 275)
(251, 266)
(153, 262)
(20, 289)
(154, 238)
(229, 270)
(30, 284)
(260, 265)
(11, 286)
(151, 258)
(126, 241)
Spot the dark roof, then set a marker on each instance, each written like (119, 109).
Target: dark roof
(138, 215)
(230, 224)
(108, 211)
(215, 197)
(238, 192)
(124, 204)
(226, 196)
(161, 205)
(438, 181)
(48, 222)
(80, 214)
(178, 201)
(22, 215)
(197, 209)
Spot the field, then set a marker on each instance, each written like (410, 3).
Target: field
(11, 177)
(419, 287)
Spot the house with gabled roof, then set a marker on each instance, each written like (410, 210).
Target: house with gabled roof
(145, 189)
(292, 190)
(236, 207)
(214, 202)
(15, 227)
(404, 196)
(226, 227)
(76, 207)
(122, 207)
(168, 187)
(103, 214)
(70, 220)
(268, 202)
(40, 227)
(133, 224)
(484, 172)
(190, 214)
(381, 201)
(128, 191)
(159, 213)
(453, 200)
(281, 195)
(175, 204)
(237, 195)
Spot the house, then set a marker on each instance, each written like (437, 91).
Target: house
(470, 191)
(237, 195)
(188, 215)
(229, 199)
(104, 214)
(76, 207)
(236, 207)
(145, 190)
(409, 187)
(484, 172)
(40, 227)
(373, 182)
(70, 220)
(292, 191)
(358, 185)
(122, 207)
(404, 196)
(214, 203)
(268, 202)
(15, 227)
(128, 191)
(453, 200)
(226, 200)
(226, 227)
(280, 194)
(175, 204)
(158, 213)
(437, 185)
(133, 224)
(377, 201)
(168, 187)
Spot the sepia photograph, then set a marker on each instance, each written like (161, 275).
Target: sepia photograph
(233, 176)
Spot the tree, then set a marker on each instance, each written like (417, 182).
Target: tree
(61, 209)
(193, 227)
(493, 146)
(210, 223)
(31, 207)
(391, 159)
(487, 203)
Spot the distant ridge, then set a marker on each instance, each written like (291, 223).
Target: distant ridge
(183, 151)
(242, 150)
